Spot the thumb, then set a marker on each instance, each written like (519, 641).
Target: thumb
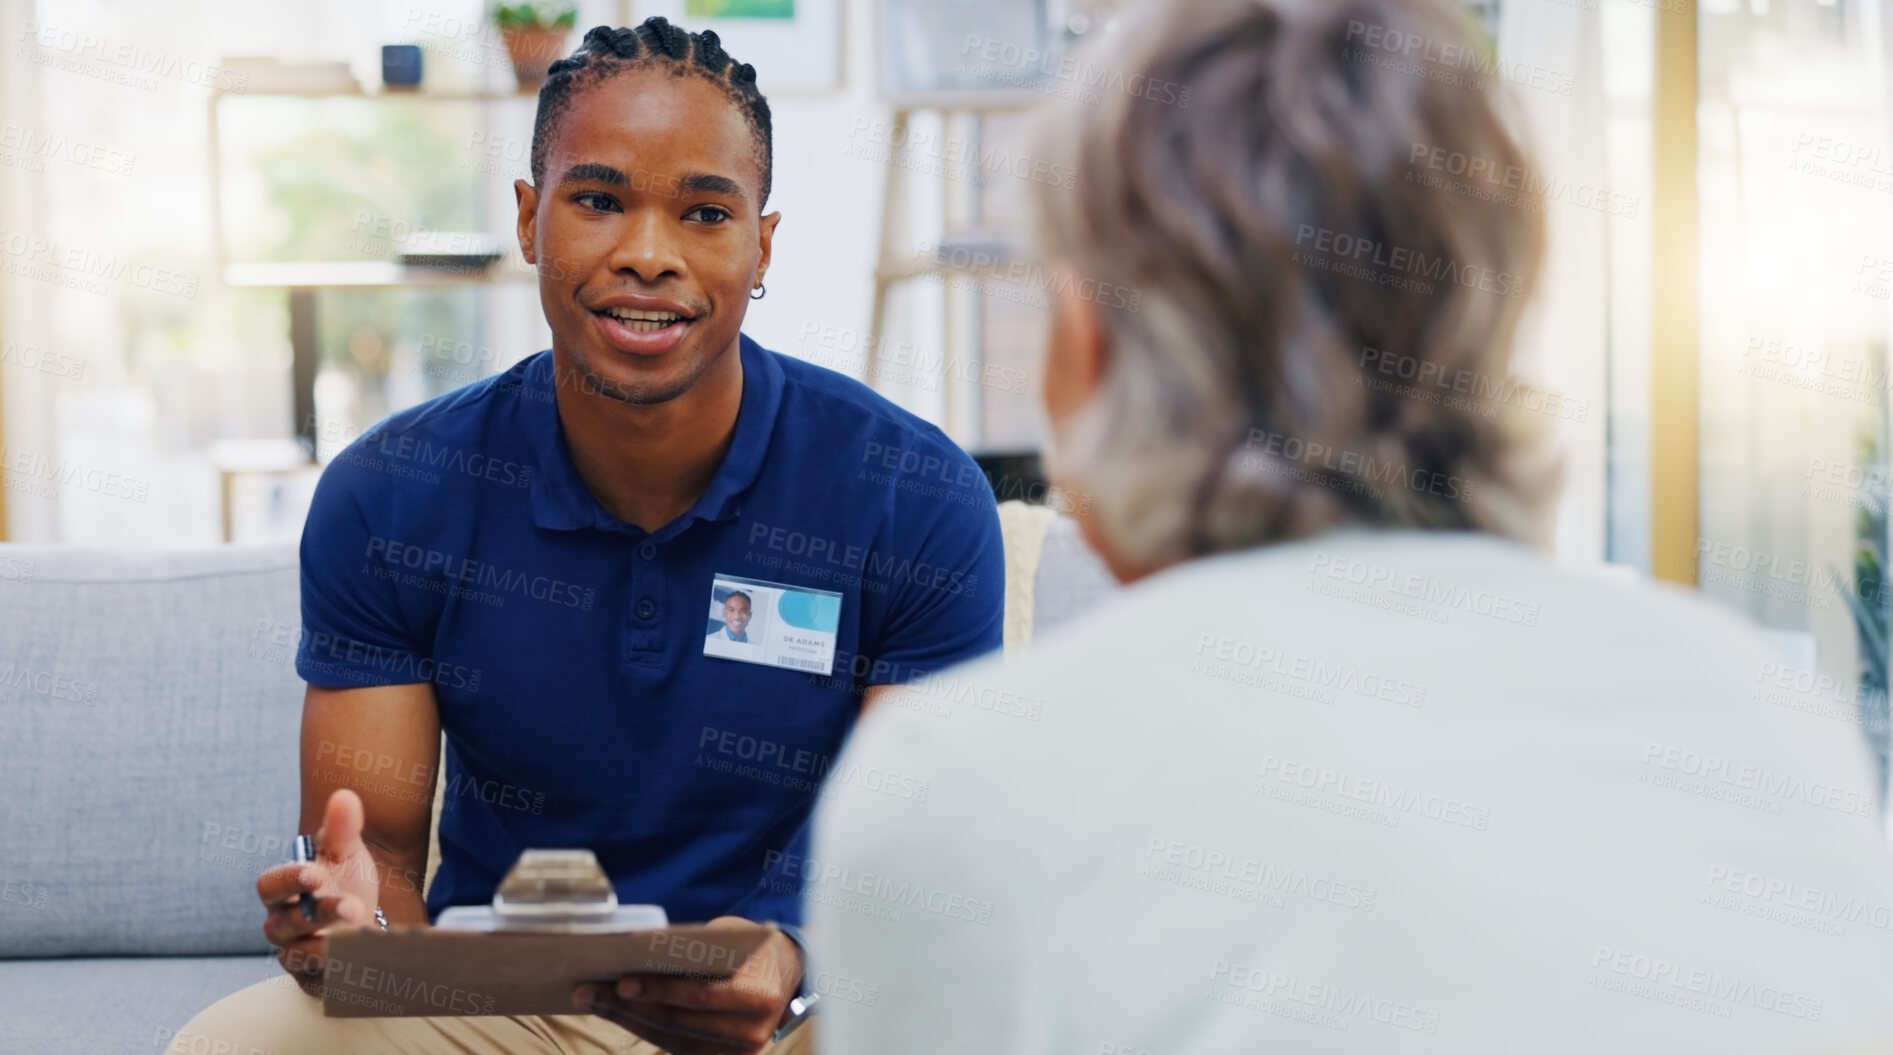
(340, 837)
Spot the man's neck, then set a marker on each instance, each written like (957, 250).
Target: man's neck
(647, 465)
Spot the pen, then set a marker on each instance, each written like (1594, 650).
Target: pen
(305, 850)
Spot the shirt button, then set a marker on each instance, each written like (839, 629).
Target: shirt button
(648, 551)
(647, 608)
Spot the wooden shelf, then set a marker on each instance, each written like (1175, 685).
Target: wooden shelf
(304, 280)
(331, 274)
(379, 94)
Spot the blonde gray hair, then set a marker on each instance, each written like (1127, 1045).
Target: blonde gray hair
(1286, 239)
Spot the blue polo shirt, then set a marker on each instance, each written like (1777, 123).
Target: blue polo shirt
(455, 544)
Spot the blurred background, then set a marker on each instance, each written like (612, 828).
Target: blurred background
(234, 235)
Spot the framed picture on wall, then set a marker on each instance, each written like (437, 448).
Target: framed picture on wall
(968, 52)
(795, 45)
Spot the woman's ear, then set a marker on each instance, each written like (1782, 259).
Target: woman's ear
(1077, 358)
(1075, 353)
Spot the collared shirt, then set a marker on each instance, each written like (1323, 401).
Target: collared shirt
(455, 544)
(1440, 794)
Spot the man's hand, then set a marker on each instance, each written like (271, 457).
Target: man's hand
(343, 880)
(687, 1016)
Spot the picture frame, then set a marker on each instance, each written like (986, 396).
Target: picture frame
(967, 53)
(801, 40)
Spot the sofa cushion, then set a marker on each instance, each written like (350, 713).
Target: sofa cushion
(152, 708)
(148, 771)
(131, 1006)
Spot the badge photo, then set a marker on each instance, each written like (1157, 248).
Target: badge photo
(774, 624)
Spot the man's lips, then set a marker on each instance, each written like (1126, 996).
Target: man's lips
(641, 304)
(640, 325)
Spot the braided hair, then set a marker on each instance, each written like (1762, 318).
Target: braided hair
(607, 52)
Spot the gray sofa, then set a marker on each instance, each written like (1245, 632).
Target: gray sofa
(149, 710)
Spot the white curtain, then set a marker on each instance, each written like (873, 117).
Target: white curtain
(26, 396)
(1562, 342)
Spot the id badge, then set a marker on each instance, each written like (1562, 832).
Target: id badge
(772, 623)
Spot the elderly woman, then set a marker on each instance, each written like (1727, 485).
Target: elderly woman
(1348, 766)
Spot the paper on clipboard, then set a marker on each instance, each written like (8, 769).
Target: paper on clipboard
(421, 971)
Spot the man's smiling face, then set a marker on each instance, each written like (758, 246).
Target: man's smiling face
(736, 614)
(647, 232)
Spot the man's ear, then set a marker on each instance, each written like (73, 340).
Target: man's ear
(766, 237)
(527, 196)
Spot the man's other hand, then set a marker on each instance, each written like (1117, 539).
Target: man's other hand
(687, 1016)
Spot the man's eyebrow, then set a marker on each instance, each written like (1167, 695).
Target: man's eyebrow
(593, 172)
(708, 183)
(695, 183)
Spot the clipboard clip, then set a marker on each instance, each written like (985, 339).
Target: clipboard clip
(555, 887)
(555, 892)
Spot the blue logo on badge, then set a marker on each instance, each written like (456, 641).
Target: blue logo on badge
(810, 611)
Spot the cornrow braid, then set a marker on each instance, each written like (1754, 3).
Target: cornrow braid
(607, 52)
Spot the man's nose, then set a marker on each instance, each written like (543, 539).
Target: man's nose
(647, 247)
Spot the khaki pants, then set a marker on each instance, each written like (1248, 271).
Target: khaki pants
(277, 1018)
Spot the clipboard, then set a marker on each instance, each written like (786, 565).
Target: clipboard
(428, 971)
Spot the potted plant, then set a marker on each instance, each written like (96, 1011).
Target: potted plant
(534, 32)
(1868, 601)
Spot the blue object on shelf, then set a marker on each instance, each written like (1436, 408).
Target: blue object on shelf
(401, 65)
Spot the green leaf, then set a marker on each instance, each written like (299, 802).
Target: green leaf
(553, 14)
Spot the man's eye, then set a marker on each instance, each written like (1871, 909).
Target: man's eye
(595, 201)
(710, 214)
